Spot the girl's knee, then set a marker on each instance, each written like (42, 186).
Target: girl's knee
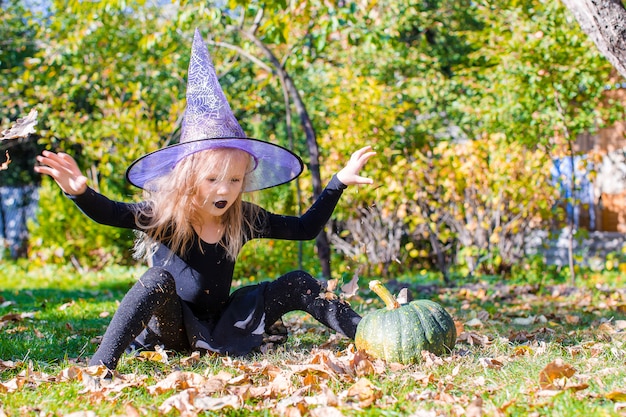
(157, 279)
(301, 281)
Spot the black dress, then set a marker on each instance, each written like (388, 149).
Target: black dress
(214, 319)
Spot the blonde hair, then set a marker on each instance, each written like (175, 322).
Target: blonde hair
(173, 208)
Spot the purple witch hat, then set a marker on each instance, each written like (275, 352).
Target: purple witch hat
(208, 124)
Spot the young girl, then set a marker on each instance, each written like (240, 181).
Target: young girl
(194, 224)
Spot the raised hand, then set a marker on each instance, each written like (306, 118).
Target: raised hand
(64, 170)
(349, 175)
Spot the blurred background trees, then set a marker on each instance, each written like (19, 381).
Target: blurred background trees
(466, 103)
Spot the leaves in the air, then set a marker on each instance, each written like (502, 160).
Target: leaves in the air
(350, 289)
(21, 128)
(5, 165)
(403, 296)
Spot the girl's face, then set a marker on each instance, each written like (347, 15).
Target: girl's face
(223, 182)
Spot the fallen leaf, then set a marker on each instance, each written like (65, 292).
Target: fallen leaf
(4, 365)
(475, 322)
(131, 411)
(183, 402)
(553, 371)
(430, 359)
(15, 317)
(473, 339)
(423, 378)
(490, 363)
(364, 392)
(281, 384)
(326, 412)
(475, 408)
(620, 324)
(361, 364)
(65, 306)
(158, 355)
(524, 321)
(179, 381)
(522, 350)
(193, 359)
(202, 403)
(616, 396)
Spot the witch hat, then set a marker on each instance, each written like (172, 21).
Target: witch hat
(209, 123)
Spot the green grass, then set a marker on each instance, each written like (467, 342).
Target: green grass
(496, 363)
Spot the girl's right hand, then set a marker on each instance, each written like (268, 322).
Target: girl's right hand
(64, 170)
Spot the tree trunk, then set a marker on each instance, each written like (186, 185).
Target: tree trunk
(604, 21)
(323, 245)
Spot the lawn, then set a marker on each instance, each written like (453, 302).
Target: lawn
(543, 349)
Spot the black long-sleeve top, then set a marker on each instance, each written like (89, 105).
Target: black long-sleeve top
(204, 274)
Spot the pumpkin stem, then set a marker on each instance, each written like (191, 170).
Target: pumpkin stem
(384, 294)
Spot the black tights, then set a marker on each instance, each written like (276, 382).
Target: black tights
(151, 313)
(298, 290)
(151, 310)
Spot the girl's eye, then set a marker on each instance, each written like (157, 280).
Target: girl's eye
(235, 180)
(211, 179)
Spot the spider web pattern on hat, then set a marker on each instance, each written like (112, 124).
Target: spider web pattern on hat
(208, 114)
(209, 123)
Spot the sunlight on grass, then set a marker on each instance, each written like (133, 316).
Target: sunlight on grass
(508, 336)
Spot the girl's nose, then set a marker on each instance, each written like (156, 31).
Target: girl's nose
(224, 187)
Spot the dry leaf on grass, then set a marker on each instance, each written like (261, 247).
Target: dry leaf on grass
(553, 372)
(4, 365)
(183, 402)
(616, 396)
(157, 355)
(193, 359)
(491, 363)
(473, 339)
(363, 393)
(178, 381)
(475, 408)
(206, 403)
(429, 359)
(82, 414)
(554, 378)
(325, 412)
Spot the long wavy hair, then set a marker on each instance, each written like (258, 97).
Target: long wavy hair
(172, 209)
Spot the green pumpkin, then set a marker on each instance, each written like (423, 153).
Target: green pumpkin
(399, 333)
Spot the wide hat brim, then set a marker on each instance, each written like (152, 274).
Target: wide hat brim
(274, 165)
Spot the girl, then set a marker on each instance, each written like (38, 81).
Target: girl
(194, 223)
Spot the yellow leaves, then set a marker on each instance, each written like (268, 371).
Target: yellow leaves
(617, 396)
(158, 355)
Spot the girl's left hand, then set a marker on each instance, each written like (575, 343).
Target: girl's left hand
(349, 175)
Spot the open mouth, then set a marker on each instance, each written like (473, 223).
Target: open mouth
(220, 204)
